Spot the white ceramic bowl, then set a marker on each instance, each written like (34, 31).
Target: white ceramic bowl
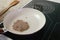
(35, 19)
(57, 1)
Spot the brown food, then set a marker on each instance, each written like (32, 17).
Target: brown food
(1, 30)
(20, 25)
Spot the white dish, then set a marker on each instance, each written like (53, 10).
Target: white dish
(35, 19)
(2, 37)
(6, 3)
(57, 1)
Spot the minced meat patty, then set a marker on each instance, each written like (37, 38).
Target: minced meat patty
(20, 25)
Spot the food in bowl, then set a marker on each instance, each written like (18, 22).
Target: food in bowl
(20, 26)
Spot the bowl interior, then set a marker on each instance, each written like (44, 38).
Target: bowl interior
(35, 19)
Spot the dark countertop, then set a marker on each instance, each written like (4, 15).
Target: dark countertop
(51, 30)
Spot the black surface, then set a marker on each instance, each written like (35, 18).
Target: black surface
(51, 30)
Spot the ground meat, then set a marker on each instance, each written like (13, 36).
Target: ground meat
(20, 25)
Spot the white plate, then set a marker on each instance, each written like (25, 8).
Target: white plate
(2, 37)
(5, 3)
(35, 19)
(57, 1)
